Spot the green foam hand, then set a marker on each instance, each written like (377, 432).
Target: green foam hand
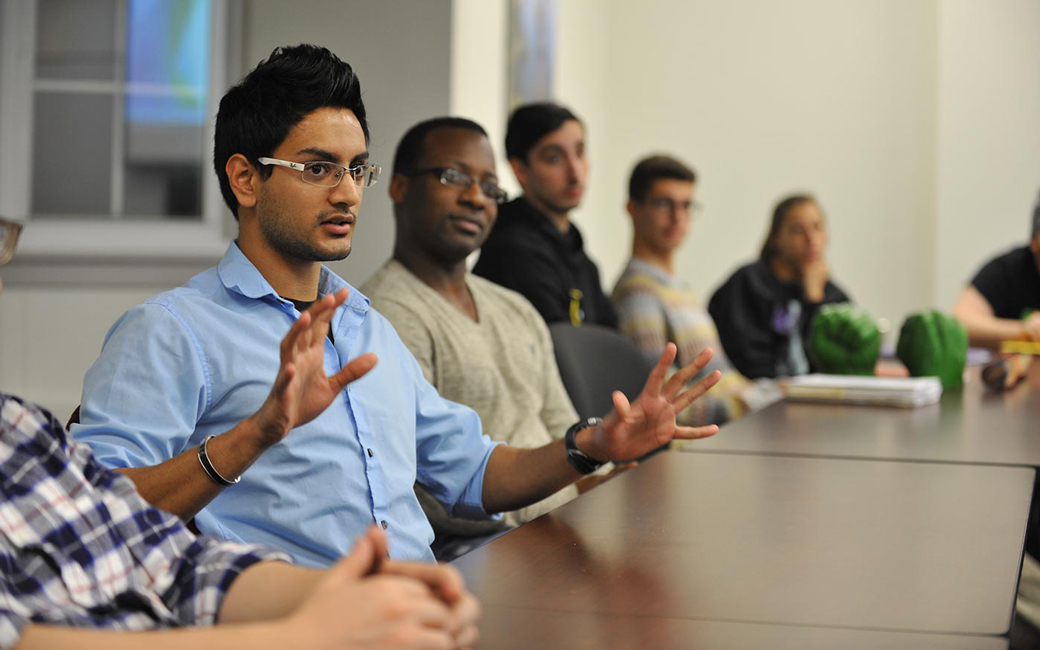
(844, 340)
(933, 344)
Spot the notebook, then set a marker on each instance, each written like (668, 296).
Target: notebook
(905, 392)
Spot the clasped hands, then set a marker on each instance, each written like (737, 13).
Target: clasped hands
(369, 601)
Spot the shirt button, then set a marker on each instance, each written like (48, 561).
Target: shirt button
(370, 454)
(384, 524)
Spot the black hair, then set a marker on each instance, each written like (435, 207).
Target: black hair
(410, 148)
(654, 168)
(257, 113)
(530, 123)
(779, 213)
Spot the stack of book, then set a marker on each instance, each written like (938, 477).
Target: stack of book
(906, 392)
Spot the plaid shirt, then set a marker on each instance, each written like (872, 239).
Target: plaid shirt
(79, 547)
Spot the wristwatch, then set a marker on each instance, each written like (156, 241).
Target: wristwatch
(578, 459)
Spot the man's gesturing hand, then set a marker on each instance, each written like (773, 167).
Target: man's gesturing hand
(631, 430)
(302, 390)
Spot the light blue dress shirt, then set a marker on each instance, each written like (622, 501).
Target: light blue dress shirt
(197, 360)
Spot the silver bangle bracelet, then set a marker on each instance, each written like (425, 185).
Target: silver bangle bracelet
(211, 471)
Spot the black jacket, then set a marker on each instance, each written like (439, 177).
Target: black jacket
(525, 252)
(752, 313)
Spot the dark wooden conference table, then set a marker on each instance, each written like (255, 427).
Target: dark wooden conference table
(820, 548)
(969, 425)
(686, 539)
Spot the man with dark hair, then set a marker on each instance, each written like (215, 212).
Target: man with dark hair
(479, 344)
(86, 562)
(181, 396)
(534, 248)
(660, 168)
(655, 307)
(258, 113)
(1003, 300)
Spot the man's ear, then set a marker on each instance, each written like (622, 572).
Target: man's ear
(244, 180)
(398, 188)
(631, 208)
(519, 170)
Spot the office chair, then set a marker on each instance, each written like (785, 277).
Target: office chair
(595, 361)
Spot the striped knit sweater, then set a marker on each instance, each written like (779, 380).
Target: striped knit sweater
(655, 308)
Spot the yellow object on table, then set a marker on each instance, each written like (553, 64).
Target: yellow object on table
(1020, 347)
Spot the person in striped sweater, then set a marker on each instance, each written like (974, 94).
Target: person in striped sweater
(655, 306)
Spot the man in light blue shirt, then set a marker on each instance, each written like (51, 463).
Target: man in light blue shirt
(192, 362)
(181, 398)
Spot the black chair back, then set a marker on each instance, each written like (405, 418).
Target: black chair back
(595, 361)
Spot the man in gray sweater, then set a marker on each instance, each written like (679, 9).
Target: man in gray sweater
(478, 343)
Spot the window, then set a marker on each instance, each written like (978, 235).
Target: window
(106, 121)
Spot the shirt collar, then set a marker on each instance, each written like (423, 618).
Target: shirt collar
(636, 265)
(239, 275)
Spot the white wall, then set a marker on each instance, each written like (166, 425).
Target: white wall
(764, 98)
(49, 336)
(989, 134)
(917, 125)
(479, 33)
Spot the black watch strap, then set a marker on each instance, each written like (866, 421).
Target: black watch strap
(578, 459)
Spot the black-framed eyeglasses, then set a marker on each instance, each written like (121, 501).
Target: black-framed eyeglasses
(329, 174)
(460, 179)
(9, 231)
(667, 205)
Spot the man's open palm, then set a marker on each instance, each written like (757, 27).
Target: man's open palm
(302, 390)
(634, 429)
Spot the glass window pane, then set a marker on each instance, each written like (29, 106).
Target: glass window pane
(164, 165)
(72, 154)
(167, 65)
(167, 73)
(76, 40)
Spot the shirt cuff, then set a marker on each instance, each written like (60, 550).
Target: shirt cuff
(471, 504)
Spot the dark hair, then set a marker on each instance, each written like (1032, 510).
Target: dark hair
(530, 123)
(779, 213)
(654, 168)
(257, 113)
(410, 148)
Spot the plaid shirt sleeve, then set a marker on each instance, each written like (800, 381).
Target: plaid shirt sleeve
(79, 547)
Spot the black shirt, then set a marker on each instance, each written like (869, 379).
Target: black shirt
(304, 305)
(752, 312)
(525, 252)
(1010, 283)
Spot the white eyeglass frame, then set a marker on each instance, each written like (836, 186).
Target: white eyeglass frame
(369, 170)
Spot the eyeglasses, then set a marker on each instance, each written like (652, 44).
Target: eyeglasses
(458, 178)
(327, 174)
(9, 231)
(669, 206)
